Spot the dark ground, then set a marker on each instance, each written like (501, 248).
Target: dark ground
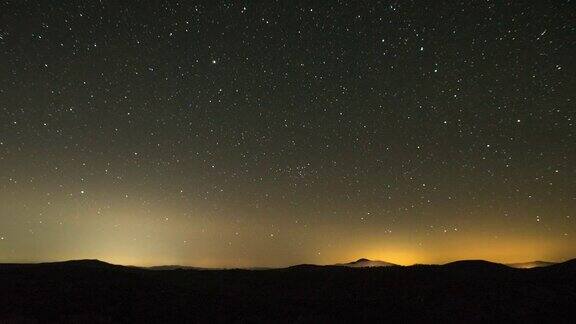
(465, 291)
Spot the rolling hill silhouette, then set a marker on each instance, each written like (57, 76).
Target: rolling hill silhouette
(462, 291)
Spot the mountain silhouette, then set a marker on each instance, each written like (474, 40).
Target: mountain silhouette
(173, 267)
(462, 291)
(362, 263)
(474, 264)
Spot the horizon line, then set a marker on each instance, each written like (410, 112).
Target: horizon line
(273, 267)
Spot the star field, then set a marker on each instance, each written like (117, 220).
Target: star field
(268, 133)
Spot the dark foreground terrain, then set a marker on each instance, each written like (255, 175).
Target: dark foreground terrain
(465, 291)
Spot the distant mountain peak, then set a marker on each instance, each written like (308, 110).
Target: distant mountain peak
(363, 262)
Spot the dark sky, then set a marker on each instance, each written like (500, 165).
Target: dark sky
(268, 133)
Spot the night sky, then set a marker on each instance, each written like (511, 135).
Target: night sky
(271, 133)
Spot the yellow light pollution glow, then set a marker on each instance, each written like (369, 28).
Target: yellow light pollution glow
(155, 234)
